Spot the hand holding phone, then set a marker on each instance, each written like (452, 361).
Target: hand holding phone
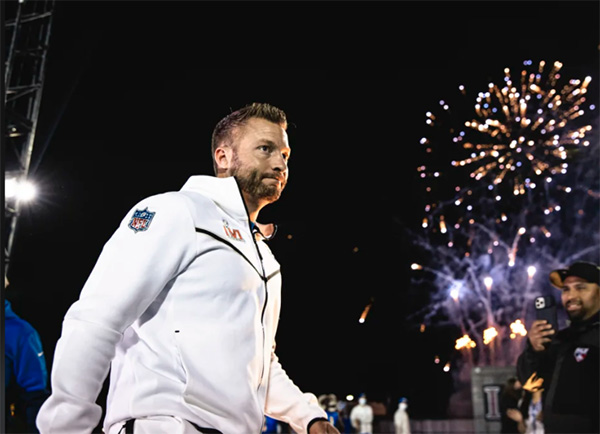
(545, 308)
(540, 335)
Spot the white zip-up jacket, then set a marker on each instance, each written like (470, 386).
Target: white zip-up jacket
(182, 308)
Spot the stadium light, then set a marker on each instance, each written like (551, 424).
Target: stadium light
(21, 190)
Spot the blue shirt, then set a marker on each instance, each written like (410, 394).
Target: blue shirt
(334, 418)
(24, 360)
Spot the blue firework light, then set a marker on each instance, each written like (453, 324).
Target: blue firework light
(510, 178)
(508, 145)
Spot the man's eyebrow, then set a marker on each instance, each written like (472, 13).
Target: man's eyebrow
(267, 141)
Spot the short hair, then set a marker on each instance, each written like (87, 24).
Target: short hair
(509, 386)
(224, 130)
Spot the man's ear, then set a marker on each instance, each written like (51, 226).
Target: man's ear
(223, 158)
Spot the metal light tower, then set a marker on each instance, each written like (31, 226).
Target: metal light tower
(27, 34)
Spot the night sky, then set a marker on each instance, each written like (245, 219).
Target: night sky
(134, 89)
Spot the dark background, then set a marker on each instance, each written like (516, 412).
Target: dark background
(133, 90)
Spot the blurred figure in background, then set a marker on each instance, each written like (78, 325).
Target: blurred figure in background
(26, 376)
(534, 424)
(511, 399)
(361, 416)
(271, 426)
(332, 410)
(532, 405)
(401, 419)
(344, 410)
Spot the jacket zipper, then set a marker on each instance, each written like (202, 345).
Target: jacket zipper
(264, 279)
(264, 308)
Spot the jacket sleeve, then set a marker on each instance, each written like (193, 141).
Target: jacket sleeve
(132, 269)
(30, 368)
(286, 402)
(528, 362)
(31, 375)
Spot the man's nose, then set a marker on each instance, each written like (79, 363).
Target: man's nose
(279, 162)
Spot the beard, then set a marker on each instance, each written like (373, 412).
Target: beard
(577, 316)
(250, 181)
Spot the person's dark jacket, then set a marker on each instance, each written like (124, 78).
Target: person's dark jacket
(570, 367)
(509, 399)
(26, 376)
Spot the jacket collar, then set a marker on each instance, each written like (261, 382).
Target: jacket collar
(588, 322)
(581, 326)
(226, 194)
(594, 319)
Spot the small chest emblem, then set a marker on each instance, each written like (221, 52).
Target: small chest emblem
(234, 234)
(141, 220)
(580, 353)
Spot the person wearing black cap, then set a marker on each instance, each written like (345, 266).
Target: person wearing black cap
(568, 360)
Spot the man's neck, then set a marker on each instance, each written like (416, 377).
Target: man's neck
(252, 206)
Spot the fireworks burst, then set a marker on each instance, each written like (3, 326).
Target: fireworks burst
(509, 196)
(518, 140)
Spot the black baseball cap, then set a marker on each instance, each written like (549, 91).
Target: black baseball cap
(585, 270)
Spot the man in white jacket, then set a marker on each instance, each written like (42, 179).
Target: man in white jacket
(361, 416)
(401, 419)
(182, 306)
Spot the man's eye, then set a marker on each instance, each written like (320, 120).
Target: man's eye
(264, 148)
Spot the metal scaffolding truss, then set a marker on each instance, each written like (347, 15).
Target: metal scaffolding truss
(27, 35)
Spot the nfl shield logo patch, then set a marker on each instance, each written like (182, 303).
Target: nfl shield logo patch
(141, 219)
(580, 353)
